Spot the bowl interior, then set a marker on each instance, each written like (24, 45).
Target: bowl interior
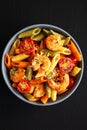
(61, 97)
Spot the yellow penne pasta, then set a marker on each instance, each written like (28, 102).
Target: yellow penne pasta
(14, 46)
(19, 57)
(53, 63)
(75, 71)
(55, 33)
(64, 41)
(64, 50)
(48, 91)
(54, 95)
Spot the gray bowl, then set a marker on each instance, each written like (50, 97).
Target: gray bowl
(61, 97)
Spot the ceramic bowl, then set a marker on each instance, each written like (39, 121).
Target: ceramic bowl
(61, 97)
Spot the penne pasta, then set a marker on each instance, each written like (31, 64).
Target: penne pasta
(20, 64)
(74, 50)
(38, 80)
(30, 97)
(66, 41)
(29, 72)
(75, 71)
(48, 52)
(7, 61)
(53, 63)
(48, 91)
(14, 47)
(46, 32)
(36, 31)
(64, 50)
(44, 99)
(55, 33)
(19, 57)
(38, 37)
(54, 95)
(30, 33)
(27, 33)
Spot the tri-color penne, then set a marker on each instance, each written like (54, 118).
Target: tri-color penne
(41, 63)
(19, 57)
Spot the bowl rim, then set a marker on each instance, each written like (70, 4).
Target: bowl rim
(3, 67)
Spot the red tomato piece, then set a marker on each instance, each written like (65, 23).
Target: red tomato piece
(65, 65)
(23, 86)
(27, 46)
(73, 59)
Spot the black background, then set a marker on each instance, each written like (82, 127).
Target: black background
(68, 115)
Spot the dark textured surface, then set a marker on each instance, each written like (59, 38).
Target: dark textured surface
(68, 115)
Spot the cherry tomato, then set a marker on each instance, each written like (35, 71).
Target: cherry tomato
(65, 65)
(73, 59)
(27, 46)
(24, 86)
(71, 82)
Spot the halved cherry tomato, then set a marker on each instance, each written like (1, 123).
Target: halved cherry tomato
(72, 57)
(65, 65)
(71, 82)
(24, 86)
(27, 46)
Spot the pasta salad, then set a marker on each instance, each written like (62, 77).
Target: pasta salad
(42, 64)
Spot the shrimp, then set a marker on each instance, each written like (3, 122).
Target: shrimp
(42, 64)
(61, 87)
(53, 42)
(39, 90)
(16, 74)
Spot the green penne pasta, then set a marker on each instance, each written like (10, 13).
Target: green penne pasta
(36, 31)
(27, 33)
(46, 32)
(48, 91)
(30, 97)
(38, 37)
(66, 41)
(48, 52)
(29, 72)
(49, 76)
